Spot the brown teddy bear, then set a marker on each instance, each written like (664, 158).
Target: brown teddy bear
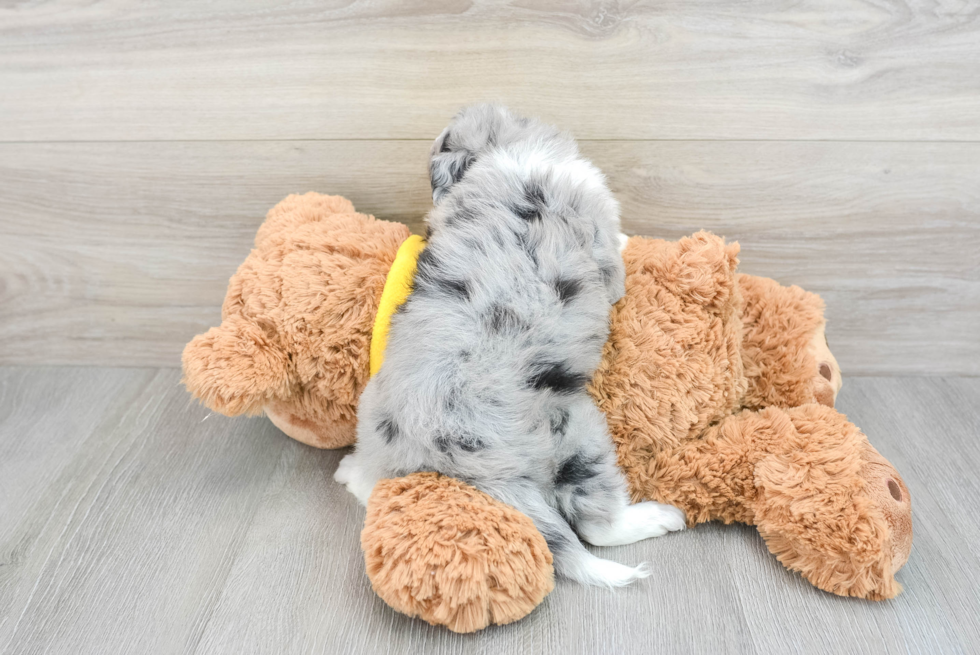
(718, 388)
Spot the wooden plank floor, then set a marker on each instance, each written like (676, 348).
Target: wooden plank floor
(133, 521)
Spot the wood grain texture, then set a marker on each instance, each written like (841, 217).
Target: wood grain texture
(777, 69)
(141, 144)
(124, 548)
(119, 253)
(161, 529)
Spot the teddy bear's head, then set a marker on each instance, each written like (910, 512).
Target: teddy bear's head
(295, 335)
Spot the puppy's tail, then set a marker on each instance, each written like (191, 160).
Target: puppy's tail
(571, 558)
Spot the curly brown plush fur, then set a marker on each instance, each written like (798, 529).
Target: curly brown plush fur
(694, 349)
(297, 320)
(783, 371)
(718, 389)
(672, 364)
(801, 476)
(484, 562)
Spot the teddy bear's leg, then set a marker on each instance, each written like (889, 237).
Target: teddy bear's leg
(825, 388)
(831, 507)
(826, 503)
(785, 354)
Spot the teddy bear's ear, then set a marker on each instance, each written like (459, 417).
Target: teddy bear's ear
(293, 211)
(235, 368)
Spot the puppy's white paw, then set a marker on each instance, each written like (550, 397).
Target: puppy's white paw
(623, 240)
(350, 474)
(635, 523)
(345, 470)
(658, 519)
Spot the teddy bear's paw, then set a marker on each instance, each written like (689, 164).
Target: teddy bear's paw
(437, 548)
(827, 379)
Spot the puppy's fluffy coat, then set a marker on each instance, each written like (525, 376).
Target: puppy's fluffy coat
(486, 364)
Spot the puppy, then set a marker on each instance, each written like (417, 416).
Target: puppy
(486, 364)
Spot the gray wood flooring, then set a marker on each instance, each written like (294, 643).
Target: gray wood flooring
(133, 521)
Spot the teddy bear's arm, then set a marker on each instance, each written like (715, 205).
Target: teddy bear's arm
(233, 368)
(439, 549)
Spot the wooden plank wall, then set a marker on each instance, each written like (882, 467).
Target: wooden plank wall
(142, 142)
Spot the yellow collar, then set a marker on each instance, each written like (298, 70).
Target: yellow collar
(397, 287)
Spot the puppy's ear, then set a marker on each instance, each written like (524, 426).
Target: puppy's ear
(448, 162)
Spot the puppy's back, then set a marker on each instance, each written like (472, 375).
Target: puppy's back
(509, 310)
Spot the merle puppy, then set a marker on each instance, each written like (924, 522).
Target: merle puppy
(486, 364)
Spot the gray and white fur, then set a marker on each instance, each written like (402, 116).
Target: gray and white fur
(486, 364)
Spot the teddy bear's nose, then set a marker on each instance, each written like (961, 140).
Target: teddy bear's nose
(827, 372)
(895, 490)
